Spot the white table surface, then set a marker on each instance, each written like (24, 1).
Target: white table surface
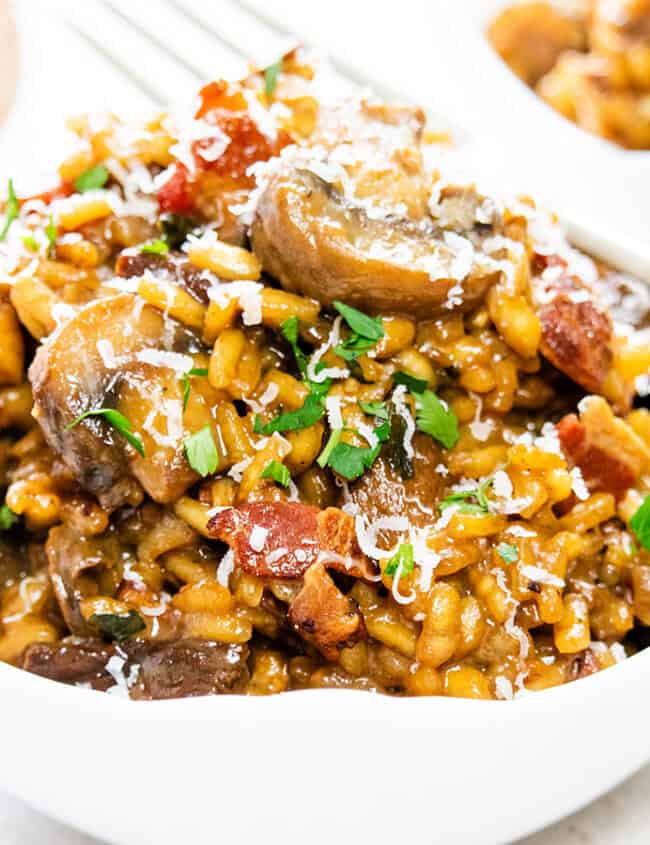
(60, 75)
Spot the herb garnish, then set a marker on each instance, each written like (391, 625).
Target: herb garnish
(175, 228)
(508, 552)
(436, 419)
(271, 74)
(289, 331)
(51, 235)
(118, 626)
(311, 412)
(7, 517)
(277, 472)
(195, 371)
(375, 409)
(463, 498)
(366, 331)
(119, 423)
(640, 523)
(201, 452)
(396, 453)
(30, 243)
(413, 384)
(402, 561)
(92, 179)
(155, 247)
(12, 210)
(352, 461)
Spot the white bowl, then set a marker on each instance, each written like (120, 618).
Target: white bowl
(326, 765)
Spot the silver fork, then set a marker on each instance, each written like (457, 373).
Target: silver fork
(166, 48)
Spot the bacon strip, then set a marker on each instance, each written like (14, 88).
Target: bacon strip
(283, 539)
(323, 616)
(608, 452)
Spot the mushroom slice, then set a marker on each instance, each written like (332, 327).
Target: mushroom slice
(117, 353)
(69, 556)
(318, 243)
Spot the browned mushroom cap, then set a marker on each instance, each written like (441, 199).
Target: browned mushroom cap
(95, 361)
(317, 243)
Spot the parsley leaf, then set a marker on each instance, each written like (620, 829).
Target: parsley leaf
(332, 442)
(155, 247)
(435, 419)
(360, 323)
(352, 461)
(463, 497)
(30, 243)
(354, 346)
(508, 552)
(7, 517)
(375, 409)
(91, 180)
(277, 472)
(51, 233)
(414, 385)
(289, 330)
(402, 561)
(396, 453)
(201, 452)
(119, 423)
(640, 523)
(195, 371)
(271, 74)
(118, 626)
(311, 412)
(12, 210)
(175, 228)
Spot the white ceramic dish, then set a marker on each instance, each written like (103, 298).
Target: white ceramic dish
(326, 766)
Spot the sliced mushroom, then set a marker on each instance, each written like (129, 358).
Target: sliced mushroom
(283, 539)
(182, 669)
(322, 245)
(69, 556)
(385, 491)
(101, 358)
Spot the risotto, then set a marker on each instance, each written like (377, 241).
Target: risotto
(285, 406)
(588, 59)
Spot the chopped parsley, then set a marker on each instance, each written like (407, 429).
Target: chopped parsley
(640, 523)
(92, 179)
(118, 626)
(508, 552)
(7, 518)
(413, 384)
(119, 423)
(311, 412)
(352, 461)
(30, 243)
(375, 409)
(277, 472)
(365, 332)
(271, 74)
(396, 453)
(289, 331)
(51, 235)
(155, 247)
(12, 210)
(201, 452)
(436, 419)
(195, 371)
(332, 442)
(469, 501)
(175, 228)
(402, 561)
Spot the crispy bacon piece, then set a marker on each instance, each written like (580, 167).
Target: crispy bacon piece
(283, 539)
(178, 194)
(585, 663)
(323, 616)
(609, 453)
(576, 338)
